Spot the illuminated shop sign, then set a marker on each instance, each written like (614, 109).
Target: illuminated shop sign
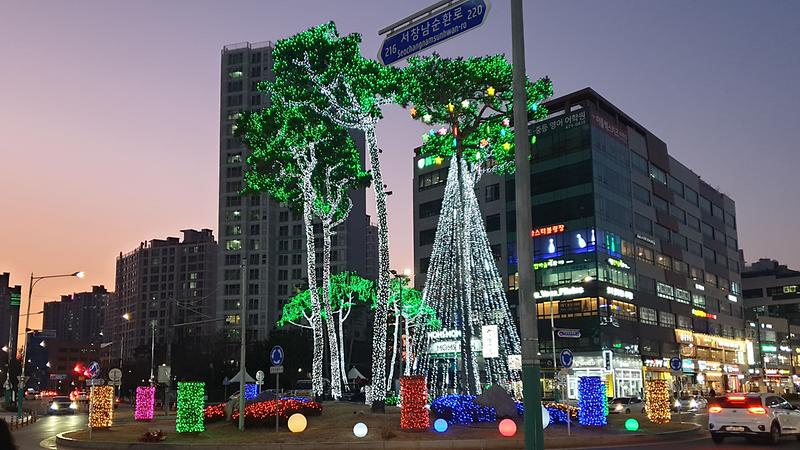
(732, 298)
(444, 334)
(769, 348)
(647, 239)
(684, 337)
(614, 262)
(610, 127)
(617, 292)
(790, 289)
(548, 230)
(560, 292)
(699, 287)
(551, 263)
(566, 122)
(785, 348)
(703, 314)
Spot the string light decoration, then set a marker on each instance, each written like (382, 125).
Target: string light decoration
(145, 402)
(101, 407)
(413, 398)
(191, 400)
(592, 402)
(405, 303)
(346, 290)
(305, 161)
(327, 74)
(263, 413)
(462, 409)
(657, 401)
(463, 285)
(297, 423)
(560, 412)
(250, 391)
(214, 413)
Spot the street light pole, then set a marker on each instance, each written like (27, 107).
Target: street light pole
(22, 379)
(152, 349)
(529, 333)
(243, 344)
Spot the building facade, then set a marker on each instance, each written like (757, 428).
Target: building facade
(631, 249)
(10, 296)
(268, 236)
(771, 294)
(78, 317)
(161, 285)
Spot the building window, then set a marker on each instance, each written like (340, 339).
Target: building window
(663, 261)
(641, 194)
(705, 205)
(644, 254)
(677, 213)
(736, 288)
(711, 279)
(643, 224)
(676, 186)
(638, 163)
(660, 203)
(492, 192)
(493, 223)
(661, 232)
(680, 267)
(658, 174)
(432, 179)
(430, 209)
(647, 284)
(232, 319)
(685, 322)
(693, 222)
(730, 219)
(423, 264)
(695, 248)
(683, 296)
(648, 316)
(233, 244)
(426, 237)
(666, 319)
(665, 291)
(698, 300)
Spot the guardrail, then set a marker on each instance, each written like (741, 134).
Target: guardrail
(27, 418)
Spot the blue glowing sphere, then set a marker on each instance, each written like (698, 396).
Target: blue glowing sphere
(440, 425)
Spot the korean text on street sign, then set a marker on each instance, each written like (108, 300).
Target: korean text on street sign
(406, 41)
(275, 370)
(571, 333)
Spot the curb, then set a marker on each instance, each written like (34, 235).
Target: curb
(67, 443)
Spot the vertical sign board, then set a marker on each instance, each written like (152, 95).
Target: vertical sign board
(434, 29)
(489, 341)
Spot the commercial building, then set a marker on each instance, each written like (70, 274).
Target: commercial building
(771, 294)
(78, 317)
(635, 256)
(9, 321)
(253, 227)
(160, 285)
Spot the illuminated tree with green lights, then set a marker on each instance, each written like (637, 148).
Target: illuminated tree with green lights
(406, 303)
(321, 71)
(346, 289)
(468, 104)
(310, 164)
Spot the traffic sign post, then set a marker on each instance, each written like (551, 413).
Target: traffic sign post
(566, 358)
(259, 380)
(569, 333)
(276, 358)
(430, 27)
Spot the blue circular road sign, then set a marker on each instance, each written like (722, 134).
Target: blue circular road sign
(93, 369)
(276, 355)
(566, 358)
(676, 364)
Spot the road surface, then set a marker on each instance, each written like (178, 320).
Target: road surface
(42, 433)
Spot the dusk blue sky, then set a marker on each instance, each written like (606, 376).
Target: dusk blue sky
(109, 110)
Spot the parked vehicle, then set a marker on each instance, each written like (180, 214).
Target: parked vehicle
(752, 415)
(303, 388)
(32, 394)
(690, 403)
(62, 405)
(626, 405)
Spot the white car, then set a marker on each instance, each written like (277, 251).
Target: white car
(752, 415)
(626, 405)
(690, 403)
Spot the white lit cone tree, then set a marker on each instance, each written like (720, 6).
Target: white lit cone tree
(327, 74)
(470, 100)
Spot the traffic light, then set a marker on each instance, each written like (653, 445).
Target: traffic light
(16, 294)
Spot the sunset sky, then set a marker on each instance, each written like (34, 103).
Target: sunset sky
(109, 110)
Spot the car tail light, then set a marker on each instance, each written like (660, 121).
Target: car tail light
(736, 398)
(715, 409)
(756, 410)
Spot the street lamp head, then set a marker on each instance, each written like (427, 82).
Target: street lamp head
(79, 274)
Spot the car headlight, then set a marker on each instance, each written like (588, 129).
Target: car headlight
(618, 407)
(677, 403)
(693, 404)
(54, 406)
(73, 405)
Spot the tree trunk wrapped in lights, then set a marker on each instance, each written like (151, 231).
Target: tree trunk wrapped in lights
(308, 163)
(327, 74)
(471, 100)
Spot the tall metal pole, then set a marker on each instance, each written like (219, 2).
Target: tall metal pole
(553, 337)
(243, 333)
(152, 349)
(531, 372)
(21, 394)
